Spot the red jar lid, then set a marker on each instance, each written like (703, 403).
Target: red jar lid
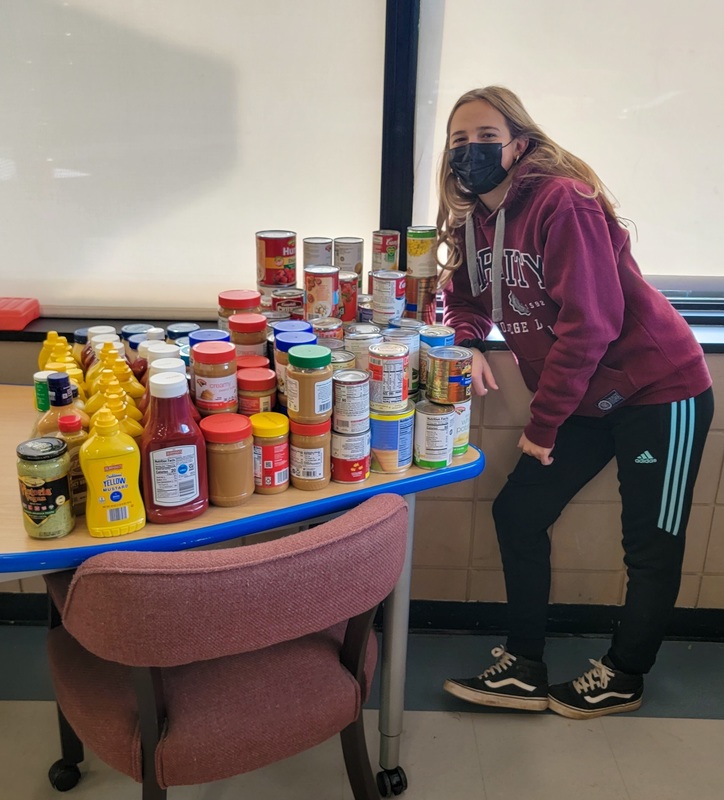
(214, 352)
(247, 323)
(318, 429)
(256, 380)
(252, 362)
(239, 298)
(225, 428)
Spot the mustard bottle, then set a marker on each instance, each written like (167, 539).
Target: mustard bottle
(111, 463)
(46, 348)
(115, 403)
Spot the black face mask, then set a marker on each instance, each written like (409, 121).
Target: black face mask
(478, 165)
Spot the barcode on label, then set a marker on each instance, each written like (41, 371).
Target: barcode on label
(187, 487)
(281, 477)
(118, 514)
(325, 406)
(310, 473)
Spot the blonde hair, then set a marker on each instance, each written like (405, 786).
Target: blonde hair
(543, 156)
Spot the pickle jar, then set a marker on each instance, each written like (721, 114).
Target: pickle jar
(271, 452)
(43, 467)
(215, 378)
(229, 458)
(237, 301)
(310, 455)
(248, 333)
(309, 384)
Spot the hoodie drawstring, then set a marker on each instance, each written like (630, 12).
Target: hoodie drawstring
(471, 254)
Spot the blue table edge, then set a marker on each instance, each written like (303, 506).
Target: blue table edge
(71, 557)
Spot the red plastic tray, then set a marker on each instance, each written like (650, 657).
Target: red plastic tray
(17, 312)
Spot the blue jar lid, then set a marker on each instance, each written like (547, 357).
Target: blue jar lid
(177, 329)
(133, 328)
(284, 341)
(80, 335)
(135, 340)
(184, 354)
(291, 326)
(208, 335)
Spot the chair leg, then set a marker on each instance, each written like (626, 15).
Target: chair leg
(357, 761)
(71, 746)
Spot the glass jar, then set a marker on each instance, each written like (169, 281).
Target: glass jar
(229, 458)
(283, 342)
(237, 301)
(248, 333)
(309, 384)
(271, 452)
(309, 455)
(257, 390)
(215, 389)
(252, 362)
(44, 478)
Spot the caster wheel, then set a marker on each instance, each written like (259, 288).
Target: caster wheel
(63, 776)
(391, 782)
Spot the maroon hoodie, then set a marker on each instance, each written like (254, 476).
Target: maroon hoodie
(589, 333)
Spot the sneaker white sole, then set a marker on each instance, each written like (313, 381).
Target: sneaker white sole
(579, 713)
(494, 699)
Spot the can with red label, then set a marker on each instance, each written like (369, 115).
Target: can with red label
(348, 254)
(276, 258)
(388, 296)
(351, 404)
(327, 328)
(321, 286)
(348, 292)
(350, 457)
(385, 250)
(317, 250)
(282, 299)
(387, 366)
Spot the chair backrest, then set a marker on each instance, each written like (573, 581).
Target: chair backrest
(166, 609)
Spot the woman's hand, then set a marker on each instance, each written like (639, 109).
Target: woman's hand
(482, 375)
(543, 454)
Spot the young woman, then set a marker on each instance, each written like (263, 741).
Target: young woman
(534, 246)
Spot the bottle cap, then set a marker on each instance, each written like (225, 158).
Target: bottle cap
(290, 326)
(134, 328)
(59, 390)
(167, 365)
(208, 335)
(225, 428)
(41, 449)
(310, 356)
(240, 298)
(167, 384)
(105, 422)
(69, 423)
(99, 330)
(99, 338)
(176, 330)
(284, 341)
(161, 350)
(214, 352)
(247, 323)
(269, 424)
(256, 380)
(156, 334)
(135, 340)
(80, 335)
(317, 429)
(251, 361)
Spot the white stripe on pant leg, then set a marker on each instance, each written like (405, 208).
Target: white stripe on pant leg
(676, 479)
(687, 459)
(669, 463)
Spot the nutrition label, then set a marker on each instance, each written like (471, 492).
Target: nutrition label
(175, 475)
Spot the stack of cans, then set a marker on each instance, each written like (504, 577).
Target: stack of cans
(350, 425)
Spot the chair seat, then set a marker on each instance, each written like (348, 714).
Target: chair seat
(254, 708)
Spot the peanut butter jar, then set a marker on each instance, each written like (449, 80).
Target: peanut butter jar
(309, 384)
(310, 455)
(271, 452)
(229, 458)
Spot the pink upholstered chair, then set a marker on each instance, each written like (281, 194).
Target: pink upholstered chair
(186, 668)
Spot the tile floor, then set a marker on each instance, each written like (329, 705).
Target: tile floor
(671, 749)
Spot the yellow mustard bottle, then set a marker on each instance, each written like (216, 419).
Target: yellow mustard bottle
(46, 348)
(111, 463)
(116, 404)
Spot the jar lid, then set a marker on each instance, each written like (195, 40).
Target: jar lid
(250, 361)
(156, 334)
(167, 365)
(214, 352)
(256, 380)
(284, 341)
(161, 350)
(167, 384)
(69, 423)
(268, 424)
(80, 335)
(135, 340)
(310, 356)
(318, 429)
(41, 449)
(184, 355)
(290, 326)
(247, 323)
(177, 329)
(208, 335)
(133, 328)
(239, 298)
(59, 389)
(225, 428)
(97, 330)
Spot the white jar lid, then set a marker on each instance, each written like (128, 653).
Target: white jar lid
(167, 384)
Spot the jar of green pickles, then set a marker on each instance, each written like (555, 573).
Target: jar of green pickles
(44, 478)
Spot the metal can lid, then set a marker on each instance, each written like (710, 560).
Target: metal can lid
(422, 231)
(41, 449)
(314, 269)
(351, 376)
(327, 323)
(450, 353)
(389, 350)
(436, 332)
(434, 409)
(342, 356)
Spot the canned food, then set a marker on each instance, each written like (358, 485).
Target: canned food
(364, 306)
(276, 258)
(342, 359)
(392, 440)
(388, 296)
(411, 339)
(385, 250)
(461, 437)
(350, 457)
(275, 316)
(348, 293)
(407, 324)
(359, 345)
(449, 375)
(434, 434)
(317, 250)
(351, 404)
(328, 328)
(285, 299)
(433, 336)
(362, 327)
(387, 366)
(421, 260)
(322, 291)
(348, 254)
(333, 344)
(420, 299)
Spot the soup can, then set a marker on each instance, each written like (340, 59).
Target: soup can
(388, 296)
(348, 293)
(461, 438)
(327, 328)
(342, 359)
(433, 336)
(385, 250)
(351, 401)
(434, 435)
(317, 250)
(364, 307)
(359, 345)
(362, 327)
(387, 366)
(349, 255)
(420, 295)
(285, 299)
(321, 286)
(276, 259)
(350, 457)
(421, 260)
(411, 339)
(449, 374)
(392, 439)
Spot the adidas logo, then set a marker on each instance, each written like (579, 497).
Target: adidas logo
(645, 458)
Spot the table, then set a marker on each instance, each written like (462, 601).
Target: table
(21, 556)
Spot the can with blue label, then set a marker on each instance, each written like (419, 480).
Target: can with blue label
(392, 439)
(433, 336)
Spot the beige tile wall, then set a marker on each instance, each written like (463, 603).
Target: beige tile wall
(456, 553)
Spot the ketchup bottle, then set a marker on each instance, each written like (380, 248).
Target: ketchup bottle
(173, 454)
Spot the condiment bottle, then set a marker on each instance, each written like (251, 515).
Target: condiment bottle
(95, 330)
(168, 365)
(283, 342)
(117, 405)
(158, 350)
(215, 389)
(132, 387)
(140, 364)
(309, 455)
(271, 452)
(72, 433)
(257, 389)
(133, 329)
(248, 333)
(229, 458)
(309, 384)
(173, 454)
(60, 395)
(43, 476)
(106, 356)
(47, 348)
(237, 301)
(110, 461)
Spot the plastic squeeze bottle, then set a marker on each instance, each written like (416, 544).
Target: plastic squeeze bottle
(110, 461)
(71, 432)
(61, 404)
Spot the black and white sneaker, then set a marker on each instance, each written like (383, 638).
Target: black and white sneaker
(512, 682)
(602, 690)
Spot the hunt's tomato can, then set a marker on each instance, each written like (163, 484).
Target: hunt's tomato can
(348, 293)
(276, 258)
(321, 285)
(385, 250)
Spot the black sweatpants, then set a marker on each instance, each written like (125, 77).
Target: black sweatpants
(658, 451)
